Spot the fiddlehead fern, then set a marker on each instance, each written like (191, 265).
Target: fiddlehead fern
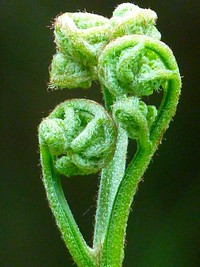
(79, 137)
(79, 38)
(136, 65)
(132, 67)
(130, 19)
(135, 117)
(81, 35)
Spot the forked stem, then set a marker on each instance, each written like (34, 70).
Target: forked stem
(81, 137)
(110, 179)
(113, 246)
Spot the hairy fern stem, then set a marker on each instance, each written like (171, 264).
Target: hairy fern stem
(81, 137)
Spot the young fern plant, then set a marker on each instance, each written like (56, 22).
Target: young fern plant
(81, 137)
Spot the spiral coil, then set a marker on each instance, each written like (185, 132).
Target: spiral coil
(125, 54)
(136, 65)
(135, 117)
(80, 135)
(81, 38)
(130, 19)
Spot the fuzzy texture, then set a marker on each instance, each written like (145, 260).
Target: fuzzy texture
(81, 37)
(125, 54)
(134, 65)
(81, 137)
(135, 117)
(130, 19)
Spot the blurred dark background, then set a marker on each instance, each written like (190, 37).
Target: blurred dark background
(164, 227)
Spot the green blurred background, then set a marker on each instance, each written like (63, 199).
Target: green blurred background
(164, 227)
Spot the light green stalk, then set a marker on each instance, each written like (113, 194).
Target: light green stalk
(81, 137)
